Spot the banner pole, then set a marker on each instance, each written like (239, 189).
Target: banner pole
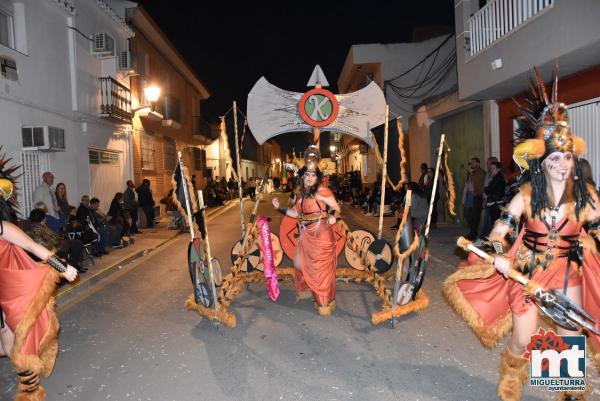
(239, 169)
(384, 171)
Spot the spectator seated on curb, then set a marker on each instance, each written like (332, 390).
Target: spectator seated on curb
(119, 217)
(66, 248)
(176, 222)
(55, 224)
(90, 228)
(113, 232)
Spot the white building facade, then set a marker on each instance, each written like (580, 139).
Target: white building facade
(65, 104)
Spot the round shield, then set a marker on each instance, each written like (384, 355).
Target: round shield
(204, 295)
(419, 269)
(251, 261)
(288, 235)
(404, 294)
(380, 255)
(277, 253)
(200, 276)
(364, 239)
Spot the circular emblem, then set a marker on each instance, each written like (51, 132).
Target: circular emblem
(318, 107)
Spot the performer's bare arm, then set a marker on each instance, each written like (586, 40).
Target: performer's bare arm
(15, 235)
(333, 205)
(287, 211)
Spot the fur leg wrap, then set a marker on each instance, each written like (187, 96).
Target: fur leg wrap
(30, 368)
(513, 373)
(29, 388)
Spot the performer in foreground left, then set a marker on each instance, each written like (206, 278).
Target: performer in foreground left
(28, 325)
(315, 260)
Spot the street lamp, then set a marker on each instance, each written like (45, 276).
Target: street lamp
(152, 94)
(332, 148)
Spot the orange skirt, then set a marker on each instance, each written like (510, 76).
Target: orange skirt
(318, 261)
(20, 279)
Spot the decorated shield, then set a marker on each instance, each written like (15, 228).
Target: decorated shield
(288, 235)
(251, 261)
(380, 255)
(199, 273)
(363, 238)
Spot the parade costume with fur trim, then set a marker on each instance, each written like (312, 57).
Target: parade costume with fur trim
(548, 249)
(26, 299)
(316, 249)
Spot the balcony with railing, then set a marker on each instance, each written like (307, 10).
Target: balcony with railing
(498, 18)
(115, 101)
(170, 108)
(202, 128)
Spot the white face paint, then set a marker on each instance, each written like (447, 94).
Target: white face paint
(558, 166)
(310, 179)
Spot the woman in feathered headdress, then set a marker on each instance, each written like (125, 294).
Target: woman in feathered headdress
(28, 324)
(555, 203)
(315, 261)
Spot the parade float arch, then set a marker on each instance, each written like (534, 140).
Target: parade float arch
(273, 111)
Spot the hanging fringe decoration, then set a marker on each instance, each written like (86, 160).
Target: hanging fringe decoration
(243, 133)
(223, 129)
(449, 186)
(404, 159)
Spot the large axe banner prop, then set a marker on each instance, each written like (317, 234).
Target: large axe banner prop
(553, 303)
(273, 111)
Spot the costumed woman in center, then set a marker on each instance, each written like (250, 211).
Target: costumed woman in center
(315, 260)
(28, 325)
(555, 247)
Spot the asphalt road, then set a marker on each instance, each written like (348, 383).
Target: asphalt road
(132, 339)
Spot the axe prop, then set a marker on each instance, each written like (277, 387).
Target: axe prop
(556, 305)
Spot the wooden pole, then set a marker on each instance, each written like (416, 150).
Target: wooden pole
(186, 193)
(209, 256)
(239, 169)
(435, 181)
(384, 171)
(316, 131)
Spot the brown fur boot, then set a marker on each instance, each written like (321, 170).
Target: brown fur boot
(513, 373)
(325, 310)
(571, 396)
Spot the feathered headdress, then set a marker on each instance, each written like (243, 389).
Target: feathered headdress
(543, 127)
(8, 198)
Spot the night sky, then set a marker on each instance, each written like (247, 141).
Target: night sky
(231, 45)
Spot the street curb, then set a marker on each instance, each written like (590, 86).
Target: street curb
(64, 296)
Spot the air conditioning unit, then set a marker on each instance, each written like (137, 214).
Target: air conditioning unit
(45, 138)
(125, 61)
(103, 45)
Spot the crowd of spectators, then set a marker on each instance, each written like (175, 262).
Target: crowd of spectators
(71, 230)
